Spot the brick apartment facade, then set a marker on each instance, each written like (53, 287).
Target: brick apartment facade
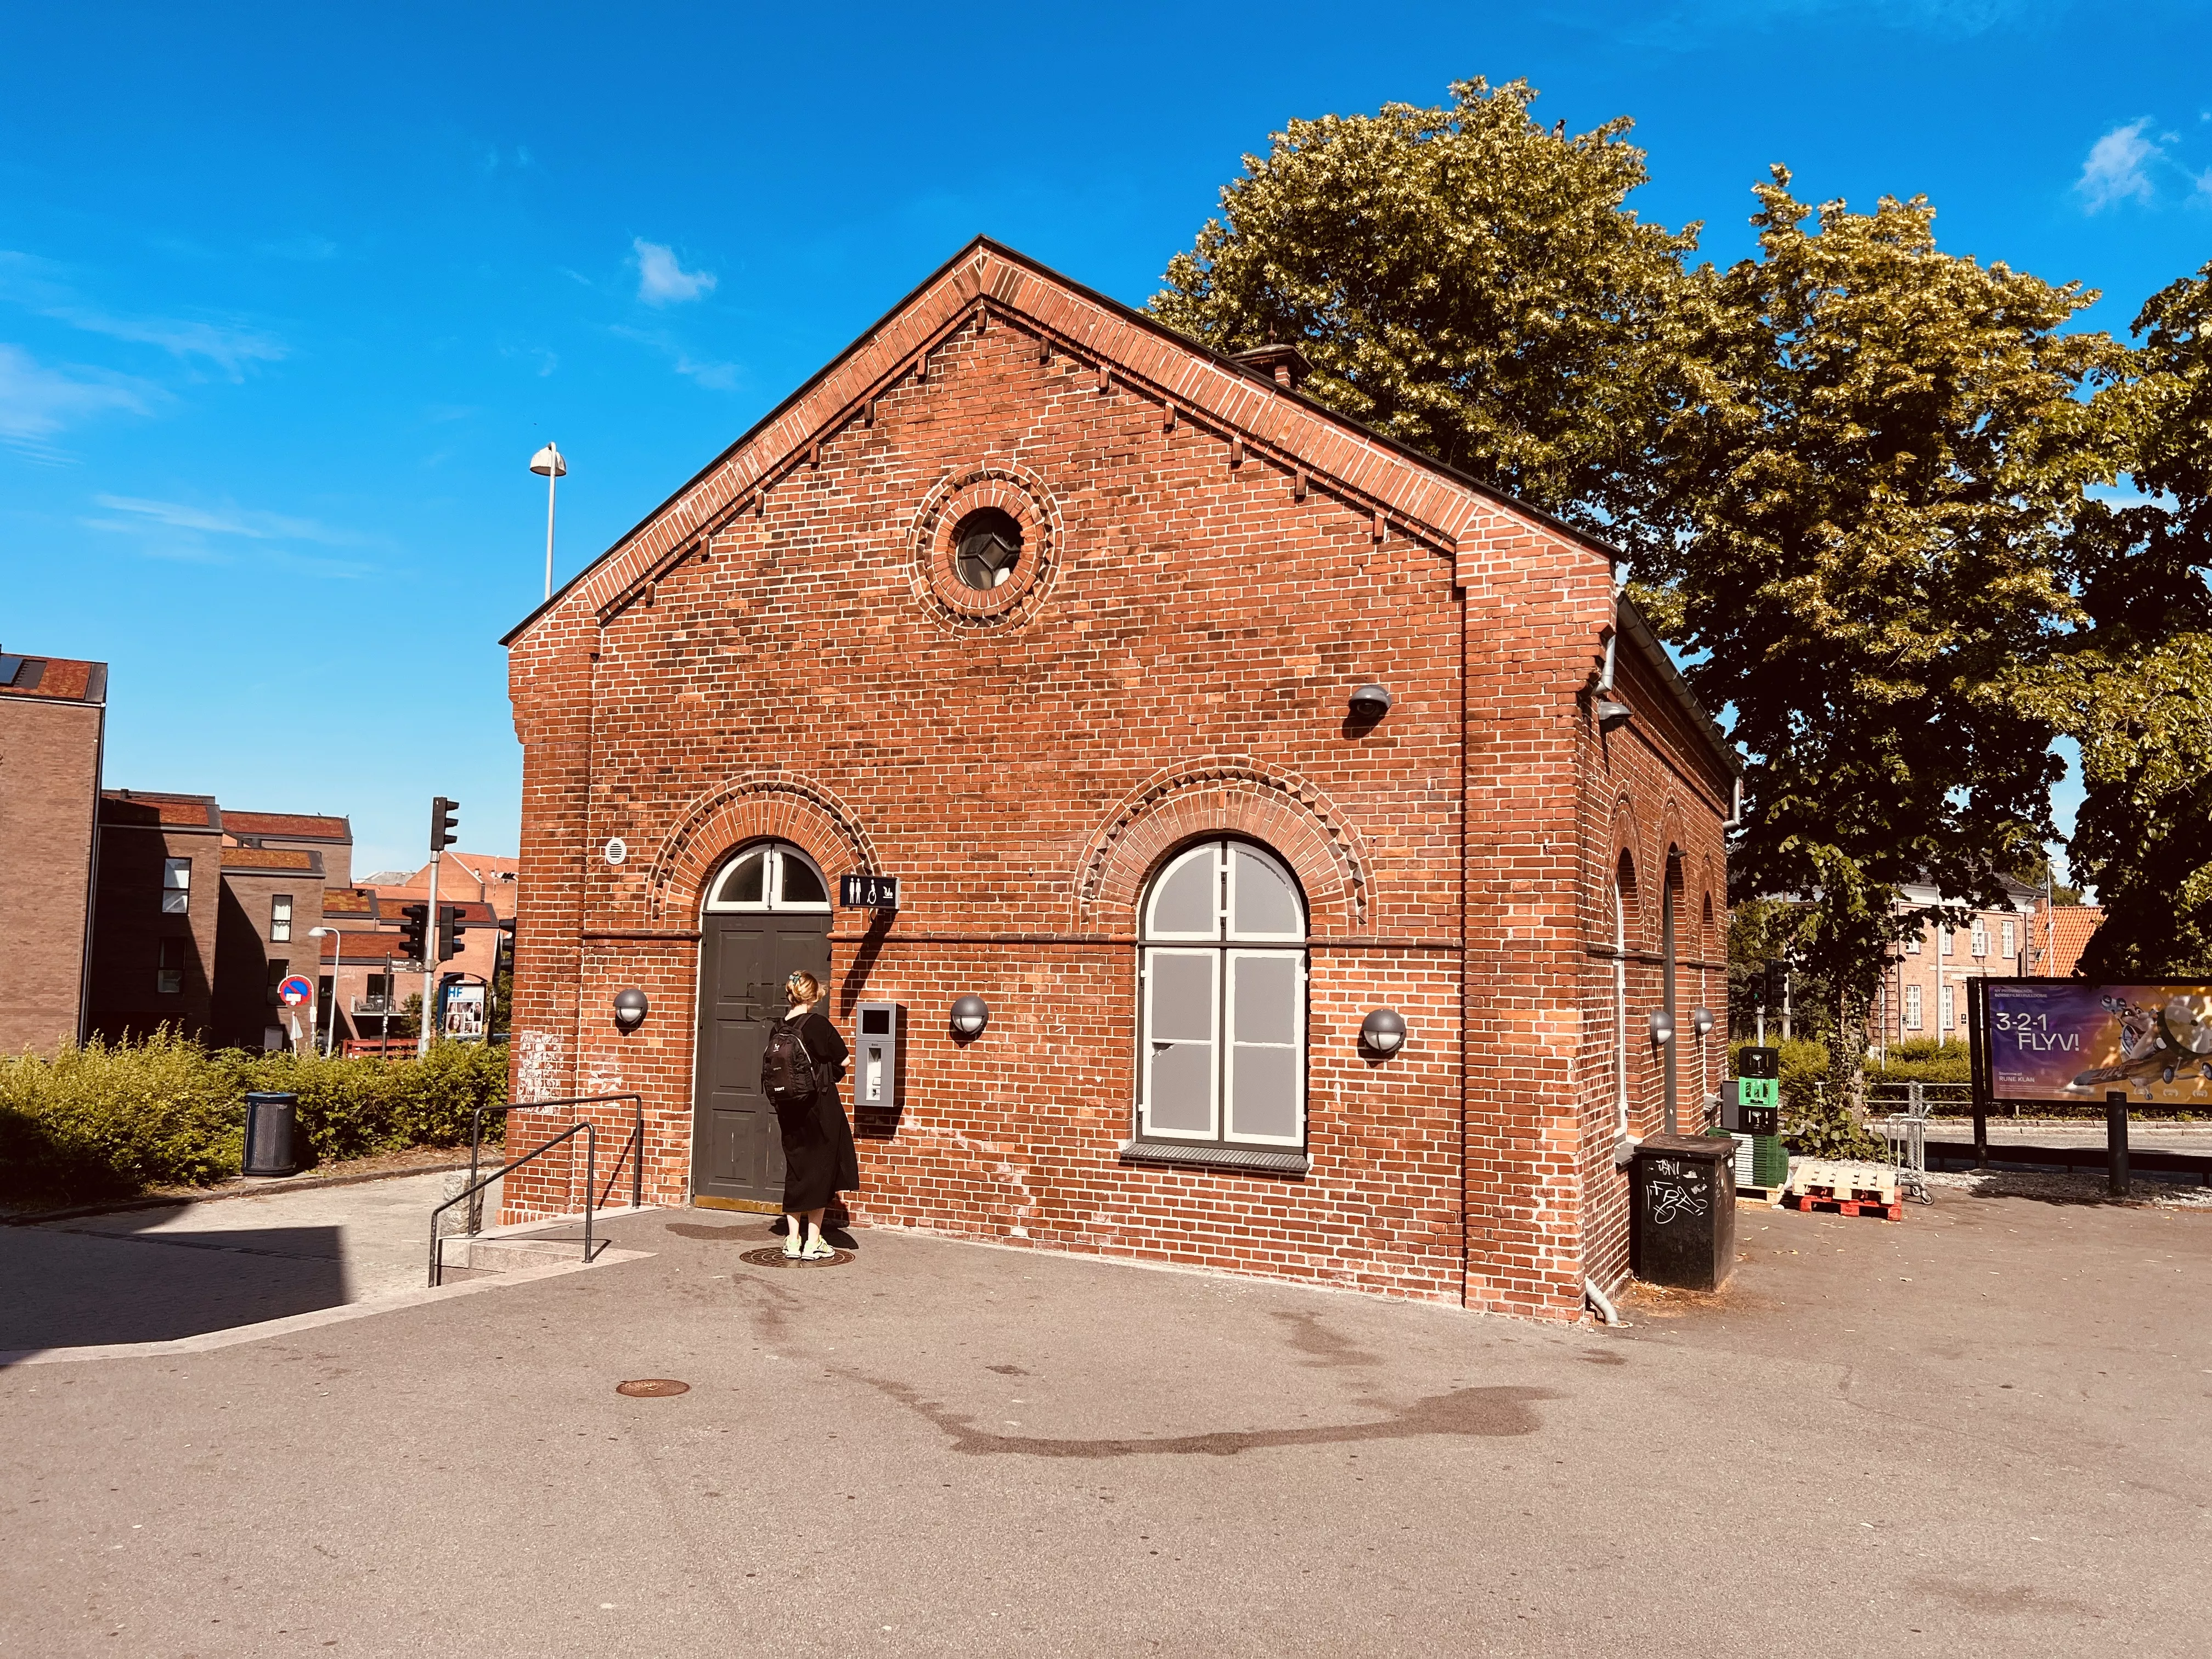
(1926, 983)
(1058, 724)
(202, 913)
(52, 725)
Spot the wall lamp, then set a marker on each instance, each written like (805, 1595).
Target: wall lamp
(1611, 715)
(1701, 1022)
(969, 1016)
(1383, 1030)
(630, 1007)
(1662, 1027)
(1371, 702)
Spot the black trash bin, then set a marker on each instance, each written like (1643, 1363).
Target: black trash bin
(270, 1120)
(1682, 1189)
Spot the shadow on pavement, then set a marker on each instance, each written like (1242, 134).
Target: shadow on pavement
(103, 1280)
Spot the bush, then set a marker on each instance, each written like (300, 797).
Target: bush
(103, 1121)
(1923, 1060)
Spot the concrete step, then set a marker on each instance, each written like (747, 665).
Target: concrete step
(523, 1245)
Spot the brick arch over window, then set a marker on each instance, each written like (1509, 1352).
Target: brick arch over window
(1225, 797)
(783, 804)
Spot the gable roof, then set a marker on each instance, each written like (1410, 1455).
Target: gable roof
(1369, 470)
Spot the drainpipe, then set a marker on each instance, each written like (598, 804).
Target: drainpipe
(1604, 686)
(1608, 1315)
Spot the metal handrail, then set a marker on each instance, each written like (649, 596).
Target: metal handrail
(636, 1137)
(590, 1134)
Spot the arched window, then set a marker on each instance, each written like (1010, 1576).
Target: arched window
(1624, 889)
(1223, 999)
(769, 875)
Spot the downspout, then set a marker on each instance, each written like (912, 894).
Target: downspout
(1608, 1315)
(1604, 686)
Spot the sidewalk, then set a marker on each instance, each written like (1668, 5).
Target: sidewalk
(151, 1275)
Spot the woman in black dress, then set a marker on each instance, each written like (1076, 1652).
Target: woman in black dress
(818, 1156)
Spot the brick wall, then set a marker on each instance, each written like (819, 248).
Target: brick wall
(1209, 568)
(49, 787)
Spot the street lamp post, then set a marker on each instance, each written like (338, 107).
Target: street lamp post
(547, 464)
(337, 962)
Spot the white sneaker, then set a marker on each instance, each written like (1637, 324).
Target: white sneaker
(820, 1250)
(790, 1246)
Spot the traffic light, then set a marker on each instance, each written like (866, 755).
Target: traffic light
(450, 929)
(414, 921)
(1777, 983)
(445, 819)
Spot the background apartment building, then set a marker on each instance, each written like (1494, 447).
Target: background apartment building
(53, 724)
(1924, 983)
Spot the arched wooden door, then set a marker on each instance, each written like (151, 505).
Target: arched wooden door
(767, 914)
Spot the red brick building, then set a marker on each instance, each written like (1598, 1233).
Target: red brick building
(1059, 618)
(52, 723)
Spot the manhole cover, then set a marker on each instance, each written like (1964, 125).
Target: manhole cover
(773, 1256)
(653, 1387)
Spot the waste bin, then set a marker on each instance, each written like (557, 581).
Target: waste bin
(1682, 1191)
(270, 1119)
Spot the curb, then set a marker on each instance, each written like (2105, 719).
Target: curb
(287, 1183)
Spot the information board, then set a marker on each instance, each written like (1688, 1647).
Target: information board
(2076, 1041)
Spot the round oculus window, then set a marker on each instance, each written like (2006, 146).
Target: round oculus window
(986, 544)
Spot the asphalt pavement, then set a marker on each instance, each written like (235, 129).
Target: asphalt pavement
(1982, 1429)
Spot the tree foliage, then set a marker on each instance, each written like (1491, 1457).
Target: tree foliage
(2135, 686)
(1879, 477)
(1467, 280)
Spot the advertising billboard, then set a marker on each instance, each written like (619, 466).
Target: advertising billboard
(2075, 1040)
(464, 1013)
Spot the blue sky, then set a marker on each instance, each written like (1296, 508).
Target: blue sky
(290, 294)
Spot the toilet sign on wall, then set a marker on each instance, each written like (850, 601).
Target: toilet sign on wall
(294, 991)
(868, 892)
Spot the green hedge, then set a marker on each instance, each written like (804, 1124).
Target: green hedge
(102, 1121)
(1923, 1059)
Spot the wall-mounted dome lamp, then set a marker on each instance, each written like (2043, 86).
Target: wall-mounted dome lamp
(1383, 1030)
(630, 1008)
(969, 1016)
(1663, 1028)
(1611, 715)
(1371, 702)
(1702, 1021)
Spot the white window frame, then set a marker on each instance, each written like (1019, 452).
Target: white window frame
(176, 886)
(1947, 1002)
(1912, 1008)
(776, 853)
(2011, 935)
(1225, 945)
(1978, 941)
(280, 918)
(1943, 940)
(1912, 946)
(1620, 1006)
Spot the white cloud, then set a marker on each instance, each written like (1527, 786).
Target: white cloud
(2114, 171)
(662, 281)
(36, 284)
(227, 521)
(36, 401)
(715, 375)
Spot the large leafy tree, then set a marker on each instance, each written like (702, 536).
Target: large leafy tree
(1468, 281)
(1879, 477)
(2135, 685)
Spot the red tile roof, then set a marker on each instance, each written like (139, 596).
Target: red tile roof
(270, 858)
(62, 679)
(341, 903)
(141, 806)
(289, 826)
(2070, 927)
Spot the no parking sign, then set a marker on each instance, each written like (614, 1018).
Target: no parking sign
(294, 991)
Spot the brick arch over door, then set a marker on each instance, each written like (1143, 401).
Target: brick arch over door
(783, 805)
(1225, 797)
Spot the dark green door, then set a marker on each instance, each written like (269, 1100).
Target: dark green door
(736, 1154)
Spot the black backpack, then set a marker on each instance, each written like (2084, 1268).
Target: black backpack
(787, 1069)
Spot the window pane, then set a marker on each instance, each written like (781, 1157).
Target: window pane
(1264, 1096)
(1181, 997)
(1263, 998)
(1266, 904)
(176, 872)
(1180, 1056)
(801, 885)
(747, 884)
(1181, 1097)
(1185, 900)
(175, 904)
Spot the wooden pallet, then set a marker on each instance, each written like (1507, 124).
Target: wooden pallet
(1770, 1197)
(1843, 1183)
(1888, 1209)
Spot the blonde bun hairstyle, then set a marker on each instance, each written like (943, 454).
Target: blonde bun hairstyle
(804, 987)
